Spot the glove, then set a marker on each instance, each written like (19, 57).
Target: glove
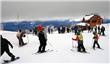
(73, 39)
(24, 35)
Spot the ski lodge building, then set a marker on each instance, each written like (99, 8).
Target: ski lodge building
(93, 20)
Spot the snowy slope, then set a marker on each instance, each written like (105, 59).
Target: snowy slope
(61, 44)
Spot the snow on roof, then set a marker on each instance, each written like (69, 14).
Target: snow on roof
(88, 17)
(81, 18)
(82, 24)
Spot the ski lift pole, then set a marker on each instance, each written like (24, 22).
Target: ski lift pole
(18, 20)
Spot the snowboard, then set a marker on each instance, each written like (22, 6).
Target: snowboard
(8, 61)
(44, 52)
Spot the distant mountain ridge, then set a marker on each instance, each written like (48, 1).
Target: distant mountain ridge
(14, 26)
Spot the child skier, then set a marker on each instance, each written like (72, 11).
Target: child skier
(5, 47)
(42, 38)
(96, 37)
(79, 38)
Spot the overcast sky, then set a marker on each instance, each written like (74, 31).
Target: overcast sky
(38, 9)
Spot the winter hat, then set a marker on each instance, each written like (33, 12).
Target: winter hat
(40, 28)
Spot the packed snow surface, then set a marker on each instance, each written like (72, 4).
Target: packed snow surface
(61, 44)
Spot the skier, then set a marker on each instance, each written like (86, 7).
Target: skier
(49, 30)
(89, 28)
(5, 48)
(72, 29)
(96, 37)
(35, 30)
(95, 28)
(63, 29)
(68, 30)
(19, 35)
(42, 38)
(103, 30)
(99, 30)
(79, 38)
(75, 29)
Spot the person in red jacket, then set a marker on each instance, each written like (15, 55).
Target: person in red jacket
(79, 38)
(96, 37)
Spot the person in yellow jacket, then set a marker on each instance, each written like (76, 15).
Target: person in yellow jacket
(79, 38)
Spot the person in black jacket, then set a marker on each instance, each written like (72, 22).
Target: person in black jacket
(99, 30)
(42, 39)
(103, 31)
(5, 47)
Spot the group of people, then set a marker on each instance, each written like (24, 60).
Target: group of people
(79, 39)
(100, 30)
(41, 33)
(42, 39)
(63, 29)
(50, 29)
(5, 44)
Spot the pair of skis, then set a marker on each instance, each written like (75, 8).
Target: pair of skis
(81, 52)
(73, 46)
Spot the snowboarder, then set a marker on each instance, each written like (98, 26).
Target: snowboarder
(95, 37)
(42, 38)
(79, 38)
(103, 30)
(19, 35)
(5, 48)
